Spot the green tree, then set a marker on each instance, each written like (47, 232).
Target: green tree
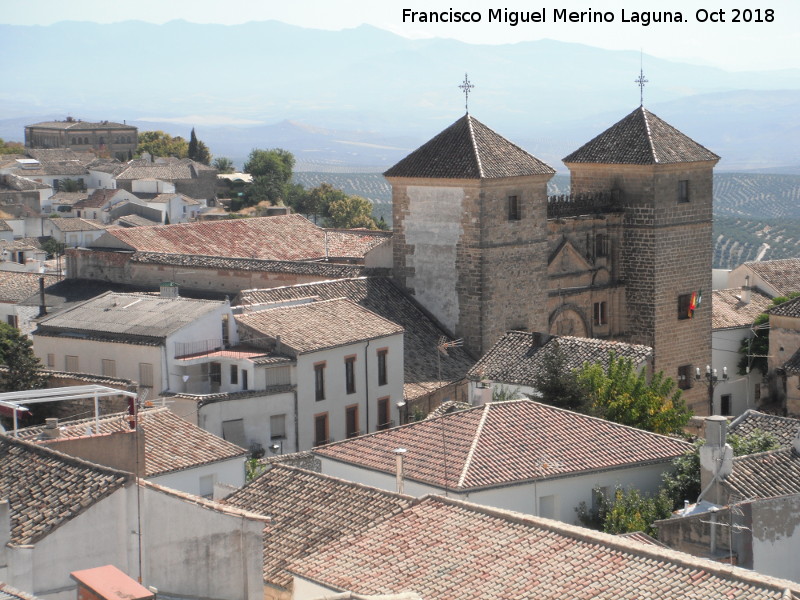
(11, 147)
(52, 247)
(754, 350)
(683, 481)
(223, 164)
(197, 150)
(271, 171)
(349, 212)
(158, 143)
(622, 394)
(70, 185)
(22, 365)
(558, 384)
(626, 511)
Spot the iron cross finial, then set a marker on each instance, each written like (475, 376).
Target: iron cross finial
(641, 81)
(466, 86)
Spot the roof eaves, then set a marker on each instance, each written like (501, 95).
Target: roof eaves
(474, 143)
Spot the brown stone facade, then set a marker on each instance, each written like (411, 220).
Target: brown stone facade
(610, 273)
(477, 268)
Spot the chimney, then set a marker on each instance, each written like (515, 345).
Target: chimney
(399, 454)
(716, 460)
(746, 290)
(42, 303)
(51, 430)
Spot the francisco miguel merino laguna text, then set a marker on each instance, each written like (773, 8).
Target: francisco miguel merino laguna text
(562, 15)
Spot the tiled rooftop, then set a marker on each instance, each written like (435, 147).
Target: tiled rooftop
(129, 315)
(308, 511)
(517, 357)
(46, 488)
(383, 297)
(170, 443)
(10, 593)
(326, 270)
(299, 326)
(285, 237)
(505, 443)
(766, 474)
(76, 224)
(445, 549)
(99, 198)
(783, 428)
(68, 198)
(16, 286)
(20, 184)
(641, 138)
(783, 274)
(729, 312)
(468, 149)
(136, 221)
(787, 309)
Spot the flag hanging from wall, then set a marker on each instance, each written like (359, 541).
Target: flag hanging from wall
(693, 304)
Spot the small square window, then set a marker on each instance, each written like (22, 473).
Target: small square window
(683, 190)
(514, 209)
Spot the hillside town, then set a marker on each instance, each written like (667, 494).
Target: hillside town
(507, 394)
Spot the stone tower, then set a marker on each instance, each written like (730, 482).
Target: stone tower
(470, 232)
(664, 181)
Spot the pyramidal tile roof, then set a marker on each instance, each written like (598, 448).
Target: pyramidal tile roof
(468, 149)
(641, 138)
(503, 443)
(443, 549)
(309, 510)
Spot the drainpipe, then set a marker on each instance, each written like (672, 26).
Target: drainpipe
(296, 423)
(366, 385)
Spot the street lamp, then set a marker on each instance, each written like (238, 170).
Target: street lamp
(711, 381)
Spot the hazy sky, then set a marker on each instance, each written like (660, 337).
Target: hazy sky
(733, 46)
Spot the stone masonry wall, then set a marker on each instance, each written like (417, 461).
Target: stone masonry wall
(667, 252)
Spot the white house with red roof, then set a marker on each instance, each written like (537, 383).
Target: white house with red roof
(517, 455)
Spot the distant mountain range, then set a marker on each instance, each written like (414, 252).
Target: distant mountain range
(364, 97)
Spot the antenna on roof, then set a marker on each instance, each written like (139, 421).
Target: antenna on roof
(641, 80)
(466, 86)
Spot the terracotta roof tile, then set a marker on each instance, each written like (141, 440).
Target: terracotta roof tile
(46, 488)
(445, 549)
(729, 312)
(383, 297)
(787, 309)
(299, 325)
(503, 443)
(468, 149)
(284, 237)
(308, 511)
(17, 286)
(641, 138)
(171, 443)
(766, 474)
(783, 428)
(517, 356)
(72, 224)
(783, 274)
